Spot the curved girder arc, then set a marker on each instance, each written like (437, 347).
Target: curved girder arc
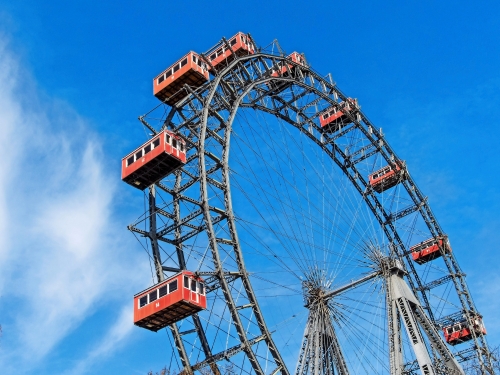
(330, 94)
(363, 188)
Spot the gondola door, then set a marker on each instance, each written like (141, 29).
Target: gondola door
(194, 292)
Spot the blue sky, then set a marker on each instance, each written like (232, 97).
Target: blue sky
(75, 75)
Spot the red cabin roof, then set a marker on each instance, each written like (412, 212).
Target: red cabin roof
(190, 70)
(165, 303)
(429, 249)
(460, 332)
(154, 160)
(386, 177)
(220, 55)
(333, 119)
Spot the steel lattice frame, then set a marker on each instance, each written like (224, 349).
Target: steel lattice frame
(204, 118)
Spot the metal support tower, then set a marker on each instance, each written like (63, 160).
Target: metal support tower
(321, 353)
(403, 304)
(202, 207)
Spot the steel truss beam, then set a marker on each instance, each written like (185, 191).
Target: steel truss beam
(321, 351)
(243, 83)
(404, 212)
(226, 354)
(413, 317)
(451, 319)
(436, 283)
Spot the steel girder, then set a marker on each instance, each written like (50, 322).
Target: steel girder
(243, 84)
(402, 299)
(321, 352)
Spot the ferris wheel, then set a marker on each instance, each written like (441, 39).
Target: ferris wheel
(285, 235)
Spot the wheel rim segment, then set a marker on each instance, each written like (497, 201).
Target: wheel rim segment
(195, 225)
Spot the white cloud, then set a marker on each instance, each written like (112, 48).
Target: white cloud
(68, 268)
(60, 246)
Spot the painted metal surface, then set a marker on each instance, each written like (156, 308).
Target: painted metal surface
(154, 160)
(462, 331)
(387, 177)
(336, 117)
(429, 250)
(168, 302)
(206, 117)
(225, 52)
(189, 70)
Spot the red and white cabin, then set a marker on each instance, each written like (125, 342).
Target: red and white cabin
(286, 68)
(429, 249)
(297, 58)
(154, 160)
(190, 69)
(334, 119)
(220, 56)
(461, 332)
(176, 298)
(387, 177)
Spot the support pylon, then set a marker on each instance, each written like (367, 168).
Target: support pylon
(320, 353)
(403, 307)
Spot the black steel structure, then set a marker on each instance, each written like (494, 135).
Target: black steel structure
(190, 221)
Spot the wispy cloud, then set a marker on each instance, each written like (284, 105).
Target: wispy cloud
(59, 245)
(66, 236)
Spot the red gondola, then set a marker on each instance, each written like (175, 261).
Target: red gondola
(334, 119)
(387, 177)
(220, 56)
(190, 69)
(176, 298)
(297, 58)
(154, 160)
(429, 249)
(461, 332)
(286, 68)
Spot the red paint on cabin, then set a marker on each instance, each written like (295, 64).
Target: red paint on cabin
(461, 331)
(334, 119)
(240, 45)
(286, 68)
(387, 177)
(190, 69)
(174, 299)
(429, 249)
(154, 160)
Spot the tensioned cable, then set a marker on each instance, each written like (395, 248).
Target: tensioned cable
(249, 199)
(385, 198)
(331, 196)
